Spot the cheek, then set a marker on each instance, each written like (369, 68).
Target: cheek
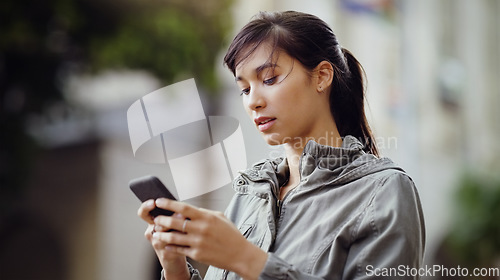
(245, 107)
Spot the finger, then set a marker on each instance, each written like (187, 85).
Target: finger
(187, 251)
(179, 216)
(149, 232)
(144, 210)
(182, 208)
(157, 243)
(159, 228)
(162, 239)
(164, 223)
(181, 250)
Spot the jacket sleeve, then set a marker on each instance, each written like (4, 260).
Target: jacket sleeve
(195, 274)
(277, 268)
(390, 239)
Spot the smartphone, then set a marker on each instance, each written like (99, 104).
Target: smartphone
(150, 187)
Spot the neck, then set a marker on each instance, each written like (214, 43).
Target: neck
(294, 150)
(293, 157)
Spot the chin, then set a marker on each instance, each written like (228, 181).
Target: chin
(273, 139)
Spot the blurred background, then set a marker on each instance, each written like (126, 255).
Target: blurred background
(69, 70)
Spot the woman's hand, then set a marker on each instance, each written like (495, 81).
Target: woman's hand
(173, 263)
(206, 236)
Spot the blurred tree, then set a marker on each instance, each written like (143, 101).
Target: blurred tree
(42, 42)
(179, 39)
(475, 239)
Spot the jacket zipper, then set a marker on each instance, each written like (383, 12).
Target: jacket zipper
(225, 273)
(278, 204)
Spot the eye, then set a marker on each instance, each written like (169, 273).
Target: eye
(270, 81)
(245, 91)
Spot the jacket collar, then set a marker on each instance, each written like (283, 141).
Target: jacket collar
(325, 164)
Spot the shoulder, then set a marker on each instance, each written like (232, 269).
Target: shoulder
(395, 181)
(385, 173)
(392, 187)
(395, 198)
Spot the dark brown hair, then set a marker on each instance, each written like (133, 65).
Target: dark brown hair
(310, 40)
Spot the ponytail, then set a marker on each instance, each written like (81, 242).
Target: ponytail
(347, 102)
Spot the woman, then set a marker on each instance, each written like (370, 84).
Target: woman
(331, 209)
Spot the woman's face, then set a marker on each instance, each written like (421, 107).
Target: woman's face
(281, 97)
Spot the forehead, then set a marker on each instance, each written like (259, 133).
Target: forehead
(263, 55)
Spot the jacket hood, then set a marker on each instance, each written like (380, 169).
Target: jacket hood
(330, 166)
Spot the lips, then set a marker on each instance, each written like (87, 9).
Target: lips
(264, 123)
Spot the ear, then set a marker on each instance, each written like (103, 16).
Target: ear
(324, 75)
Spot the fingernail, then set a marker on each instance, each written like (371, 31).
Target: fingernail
(150, 203)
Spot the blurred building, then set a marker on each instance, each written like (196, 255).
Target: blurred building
(433, 94)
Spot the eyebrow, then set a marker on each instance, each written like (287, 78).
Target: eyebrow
(259, 69)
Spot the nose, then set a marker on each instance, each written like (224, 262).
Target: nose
(255, 100)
